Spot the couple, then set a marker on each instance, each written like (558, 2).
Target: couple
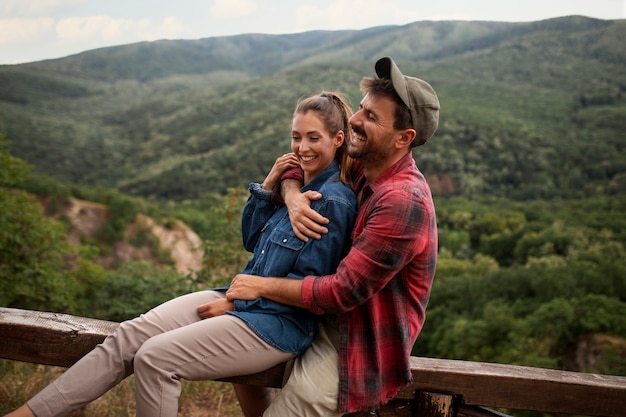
(370, 304)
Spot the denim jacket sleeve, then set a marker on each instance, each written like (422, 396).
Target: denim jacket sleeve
(256, 213)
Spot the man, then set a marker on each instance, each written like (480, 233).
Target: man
(375, 303)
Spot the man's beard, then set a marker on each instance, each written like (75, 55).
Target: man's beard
(368, 151)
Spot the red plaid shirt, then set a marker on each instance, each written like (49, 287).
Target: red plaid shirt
(381, 288)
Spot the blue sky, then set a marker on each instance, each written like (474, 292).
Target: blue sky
(33, 30)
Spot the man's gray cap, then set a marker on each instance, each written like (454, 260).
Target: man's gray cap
(417, 95)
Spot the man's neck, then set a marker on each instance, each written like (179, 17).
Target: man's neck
(374, 169)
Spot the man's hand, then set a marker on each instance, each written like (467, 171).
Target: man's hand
(215, 308)
(305, 222)
(251, 287)
(245, 287)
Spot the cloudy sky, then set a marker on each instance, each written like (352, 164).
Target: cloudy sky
(33, 30)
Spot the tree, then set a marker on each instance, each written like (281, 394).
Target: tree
(39, 269)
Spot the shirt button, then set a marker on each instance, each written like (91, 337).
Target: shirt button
(284, 240)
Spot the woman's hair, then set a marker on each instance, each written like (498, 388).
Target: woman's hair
(334, 112)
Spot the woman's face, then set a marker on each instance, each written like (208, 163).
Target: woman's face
(312, 143)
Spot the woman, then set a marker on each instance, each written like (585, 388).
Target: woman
(201, 335)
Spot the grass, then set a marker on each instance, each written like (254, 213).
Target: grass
(20, 381)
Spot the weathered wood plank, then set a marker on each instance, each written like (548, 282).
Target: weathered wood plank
(520, 387)
(395, 408)
(61, 339)
(49, 338)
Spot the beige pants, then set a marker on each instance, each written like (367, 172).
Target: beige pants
(161, 347)
(313, 385)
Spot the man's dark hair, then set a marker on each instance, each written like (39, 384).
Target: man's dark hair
(384, 87)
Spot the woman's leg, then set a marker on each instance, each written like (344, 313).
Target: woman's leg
(112, 361)
(214, 348)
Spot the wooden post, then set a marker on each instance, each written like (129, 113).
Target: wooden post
(432, 404)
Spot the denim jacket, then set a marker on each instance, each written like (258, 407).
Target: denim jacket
(279, 253)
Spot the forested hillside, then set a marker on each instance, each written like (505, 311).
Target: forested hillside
(528, 170)
(529, 110)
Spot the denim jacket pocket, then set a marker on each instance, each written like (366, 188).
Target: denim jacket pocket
(286, 240)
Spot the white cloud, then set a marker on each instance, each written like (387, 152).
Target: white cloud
(170, 28)
(350, 14)
(232, 8)
(36, 8)
(17, 30)
(98, 27)
(107, 28)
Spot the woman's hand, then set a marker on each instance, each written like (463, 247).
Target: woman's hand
(215, 308)
(282, 164)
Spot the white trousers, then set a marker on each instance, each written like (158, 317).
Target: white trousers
(168, 343)
(312, 389)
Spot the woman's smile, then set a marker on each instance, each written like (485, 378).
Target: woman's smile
(312, 143)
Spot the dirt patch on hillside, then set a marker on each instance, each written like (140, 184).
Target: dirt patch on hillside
(156, 243)
(591, 353)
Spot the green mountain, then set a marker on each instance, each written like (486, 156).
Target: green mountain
(529, 110)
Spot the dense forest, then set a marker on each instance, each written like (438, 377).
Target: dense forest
(529, 110)
(528, 169)
(537, 283)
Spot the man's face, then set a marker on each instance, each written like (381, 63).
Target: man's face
(373, 129)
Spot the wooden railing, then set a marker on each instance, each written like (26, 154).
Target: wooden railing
(440, 387)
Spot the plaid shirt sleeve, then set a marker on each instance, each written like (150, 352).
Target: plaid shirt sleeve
(291, 174)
